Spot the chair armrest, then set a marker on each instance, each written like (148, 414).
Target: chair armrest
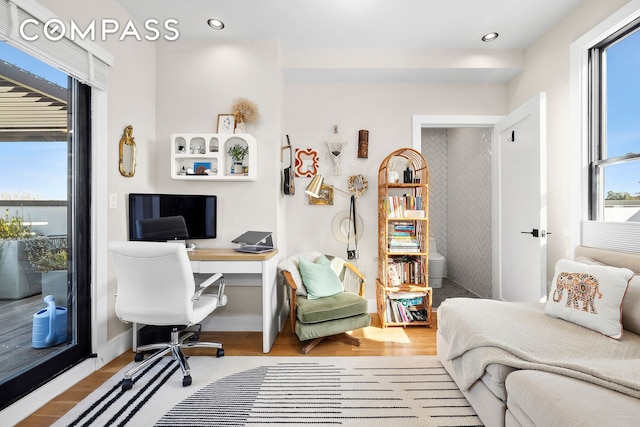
(359, 274)
(222, 298)
(288, 278)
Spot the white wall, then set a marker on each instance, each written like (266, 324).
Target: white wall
(547, 69)
(196, 82)
(386, 110)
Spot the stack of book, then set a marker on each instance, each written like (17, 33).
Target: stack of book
(406, 307)
(402, 237)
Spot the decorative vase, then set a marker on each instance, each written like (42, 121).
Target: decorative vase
(237, 168)
(239, 127)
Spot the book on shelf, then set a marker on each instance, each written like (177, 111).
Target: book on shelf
(406, 307)
(409, 269)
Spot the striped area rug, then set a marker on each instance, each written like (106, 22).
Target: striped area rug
(282, 391)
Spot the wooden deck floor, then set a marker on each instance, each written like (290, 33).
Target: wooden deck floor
(16, 325)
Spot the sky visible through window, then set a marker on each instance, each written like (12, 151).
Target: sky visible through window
(623, 113)
(38, 169)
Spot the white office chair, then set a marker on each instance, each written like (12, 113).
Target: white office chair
(156, 287)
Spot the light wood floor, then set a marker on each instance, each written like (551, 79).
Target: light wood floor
(409, 341)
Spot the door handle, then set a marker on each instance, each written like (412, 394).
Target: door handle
(536, 233)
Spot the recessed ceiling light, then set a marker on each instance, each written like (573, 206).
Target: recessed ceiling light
(489, 37)
(216, 24)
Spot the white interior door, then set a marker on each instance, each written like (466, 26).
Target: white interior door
(519, 203)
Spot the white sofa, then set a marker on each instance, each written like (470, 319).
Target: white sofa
(519, 366)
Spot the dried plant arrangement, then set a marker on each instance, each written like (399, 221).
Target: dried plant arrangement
(245, 111)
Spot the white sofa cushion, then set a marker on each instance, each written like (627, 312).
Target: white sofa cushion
(537, 398)
(631, 306)
(589, 295)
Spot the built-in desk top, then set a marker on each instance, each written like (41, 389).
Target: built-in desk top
(228, 254)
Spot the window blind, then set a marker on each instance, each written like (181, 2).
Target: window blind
(81, 59)
(614, 236)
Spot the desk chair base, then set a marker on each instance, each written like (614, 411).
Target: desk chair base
(343, 337)
(187, 340)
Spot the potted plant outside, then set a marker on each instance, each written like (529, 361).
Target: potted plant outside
(49, 257)
(17, 279)
(238, 152)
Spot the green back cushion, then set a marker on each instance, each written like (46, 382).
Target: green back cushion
(319, 278)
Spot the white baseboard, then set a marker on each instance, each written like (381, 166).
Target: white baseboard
(252, 323)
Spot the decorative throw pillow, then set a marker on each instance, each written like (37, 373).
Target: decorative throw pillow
(589, 295)
(319, 278)
(631, 302)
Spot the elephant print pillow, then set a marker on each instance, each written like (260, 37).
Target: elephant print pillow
(589, 295)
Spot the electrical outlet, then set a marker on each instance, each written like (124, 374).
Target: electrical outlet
(113, 201)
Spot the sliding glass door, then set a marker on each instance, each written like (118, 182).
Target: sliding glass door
(45, 240)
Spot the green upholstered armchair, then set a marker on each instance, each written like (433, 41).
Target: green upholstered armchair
(315, 316)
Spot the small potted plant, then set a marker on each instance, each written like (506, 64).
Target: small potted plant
(49, 257)
(238, 152)
(47, 254)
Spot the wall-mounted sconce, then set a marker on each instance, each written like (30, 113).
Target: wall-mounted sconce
(314, 189)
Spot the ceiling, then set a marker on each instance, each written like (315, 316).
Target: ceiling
(31, 108)
(419, 26)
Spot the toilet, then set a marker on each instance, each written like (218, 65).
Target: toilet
(436, 265)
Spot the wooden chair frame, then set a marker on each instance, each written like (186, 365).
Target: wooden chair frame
(357, 287)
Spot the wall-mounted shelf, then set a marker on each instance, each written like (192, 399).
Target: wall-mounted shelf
(209, 150)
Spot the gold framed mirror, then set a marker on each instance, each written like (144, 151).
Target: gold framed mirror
(127, 163)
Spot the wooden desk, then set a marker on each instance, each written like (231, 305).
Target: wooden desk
(228, 261)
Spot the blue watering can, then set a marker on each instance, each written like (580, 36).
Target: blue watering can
(49, 325)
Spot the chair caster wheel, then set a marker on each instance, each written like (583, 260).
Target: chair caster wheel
(220, 352)
(186, 381)
(138, 357)
(127, 384)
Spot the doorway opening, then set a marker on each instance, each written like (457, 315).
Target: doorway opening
(458, 150)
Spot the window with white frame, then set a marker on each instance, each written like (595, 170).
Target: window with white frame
(614, 127)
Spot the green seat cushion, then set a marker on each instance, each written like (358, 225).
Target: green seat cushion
(319, 278)
(339, 306)
(308, 331)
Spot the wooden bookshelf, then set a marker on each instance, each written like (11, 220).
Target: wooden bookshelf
(403, 294)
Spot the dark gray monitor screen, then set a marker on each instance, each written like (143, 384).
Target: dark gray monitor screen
(198, 211)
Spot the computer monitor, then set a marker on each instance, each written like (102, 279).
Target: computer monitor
(163, 228)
